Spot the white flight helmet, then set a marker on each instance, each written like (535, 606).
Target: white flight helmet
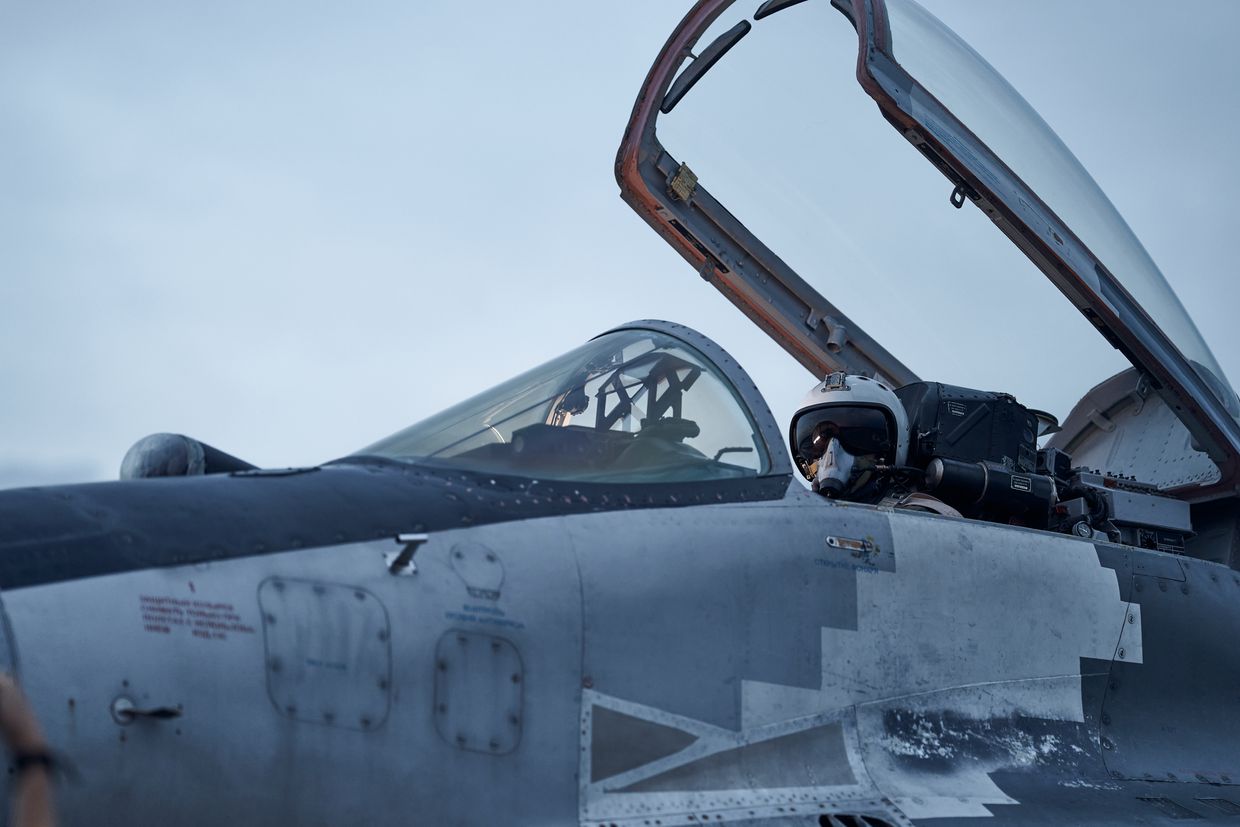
(845, 410)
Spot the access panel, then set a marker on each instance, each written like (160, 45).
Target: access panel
(1169, 713)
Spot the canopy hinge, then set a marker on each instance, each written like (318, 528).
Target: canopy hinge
(1140, 393)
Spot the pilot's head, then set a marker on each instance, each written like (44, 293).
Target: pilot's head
(846, 430)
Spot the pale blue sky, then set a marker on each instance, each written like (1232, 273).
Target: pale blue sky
(288, 229)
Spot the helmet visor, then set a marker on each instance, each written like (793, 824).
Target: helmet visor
(860, 431)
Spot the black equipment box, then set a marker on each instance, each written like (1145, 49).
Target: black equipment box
(969, 425)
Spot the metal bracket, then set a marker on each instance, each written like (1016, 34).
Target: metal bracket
(836, 336)
(707, 270)
(683, 183)
(836, 381)
(1100, 421)
(958, 195)
(1140, 393)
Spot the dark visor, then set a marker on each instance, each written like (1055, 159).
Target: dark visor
(859, 430)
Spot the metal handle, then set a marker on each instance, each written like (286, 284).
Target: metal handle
(125, 711)
(401, 562)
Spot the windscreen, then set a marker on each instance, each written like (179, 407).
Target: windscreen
(629, 406)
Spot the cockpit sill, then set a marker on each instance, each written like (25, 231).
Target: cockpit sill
(976, 450)
(723, 251)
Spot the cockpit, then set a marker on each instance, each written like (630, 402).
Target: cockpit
(629, 406)
(738, 157)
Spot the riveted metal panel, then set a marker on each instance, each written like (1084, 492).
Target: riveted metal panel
(329, 659)
(1169, 710)
(478, 692)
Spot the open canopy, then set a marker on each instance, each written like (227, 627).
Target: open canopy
(996, 151)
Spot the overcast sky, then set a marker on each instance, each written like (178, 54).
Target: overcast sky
(288, 229)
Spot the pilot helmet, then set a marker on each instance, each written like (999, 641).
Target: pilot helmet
(845, 427)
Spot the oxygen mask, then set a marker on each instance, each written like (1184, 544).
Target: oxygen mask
(838, 473)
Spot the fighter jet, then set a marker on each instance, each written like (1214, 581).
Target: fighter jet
(601, 593)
